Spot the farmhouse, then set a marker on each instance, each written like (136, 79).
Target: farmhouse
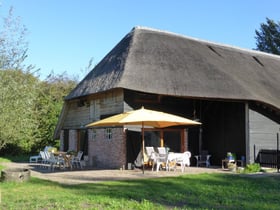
(233, 92)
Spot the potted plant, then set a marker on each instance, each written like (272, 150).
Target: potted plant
(71, 152)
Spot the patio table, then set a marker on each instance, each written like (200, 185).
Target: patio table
(67, 158)
(172, 159)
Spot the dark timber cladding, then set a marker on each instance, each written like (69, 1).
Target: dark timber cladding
(223, 124)
(160, 62)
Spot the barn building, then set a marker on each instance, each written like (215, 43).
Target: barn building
(233, 92)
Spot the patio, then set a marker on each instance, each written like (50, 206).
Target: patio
(90, 175)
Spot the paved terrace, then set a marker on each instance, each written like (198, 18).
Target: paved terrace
(77, 176)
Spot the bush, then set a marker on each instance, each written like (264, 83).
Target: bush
(12, 150)
(252, 168)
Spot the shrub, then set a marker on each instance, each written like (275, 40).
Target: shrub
(252, 168)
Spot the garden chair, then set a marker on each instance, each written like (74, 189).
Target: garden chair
(171, 160)
(203, 159)
(35, 158)
(76, 161)
(184, 160)
(47, 156)
(44, 157)
(38, 158)
(150, 152)
(55, 161)
(161, 158)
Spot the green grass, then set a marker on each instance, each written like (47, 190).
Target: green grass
(3, 160)
(203, 191)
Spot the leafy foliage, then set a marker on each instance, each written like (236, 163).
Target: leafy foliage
(268, 37)
(252, 168)
(13, 46)
(49, 105)
(29, 108)
(18, 93)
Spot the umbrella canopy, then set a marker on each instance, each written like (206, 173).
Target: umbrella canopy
(144, 117)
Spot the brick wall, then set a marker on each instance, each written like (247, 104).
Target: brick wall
(185, 136)
(104, 152)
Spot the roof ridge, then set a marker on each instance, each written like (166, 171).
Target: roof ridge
(232, 47)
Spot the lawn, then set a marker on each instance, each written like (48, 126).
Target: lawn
(200, 191)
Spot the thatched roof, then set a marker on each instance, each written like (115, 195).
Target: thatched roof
(160, 62)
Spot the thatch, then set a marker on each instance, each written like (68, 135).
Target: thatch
(160, 62)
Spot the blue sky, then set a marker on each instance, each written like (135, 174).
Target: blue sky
(64, 35)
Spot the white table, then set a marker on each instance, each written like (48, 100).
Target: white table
(174, 158)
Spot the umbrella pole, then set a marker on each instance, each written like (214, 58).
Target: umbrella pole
(143, 146)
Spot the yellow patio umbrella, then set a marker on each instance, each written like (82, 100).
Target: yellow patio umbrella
(144, 117)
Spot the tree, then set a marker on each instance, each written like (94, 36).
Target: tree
(18, 92)
(48, 105)
(29, 108)
(17, 87)
(268, 37)
(13, 46)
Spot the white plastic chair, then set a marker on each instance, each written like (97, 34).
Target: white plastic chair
(161, 158)
(55, 161)
(35, 158)
(151, 154)
(184, 160)
(149, 151)
(76, 161)
(44, 160)
(171, 160)
(47, 156)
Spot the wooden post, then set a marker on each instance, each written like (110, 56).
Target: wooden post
(182, 141)
(143, 146)
(200, 140)
(161, 138)
(277, 154)
(248, 155)
(254, 153)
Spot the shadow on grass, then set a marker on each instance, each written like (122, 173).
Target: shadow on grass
(206, 191)
(218, 191)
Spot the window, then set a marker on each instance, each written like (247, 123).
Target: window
(93, 134)
(94, 110)
(108, 133)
